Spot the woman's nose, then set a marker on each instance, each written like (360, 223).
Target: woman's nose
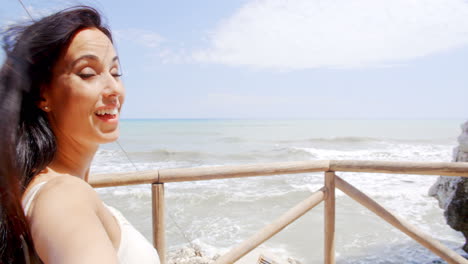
(113, 99)
(113, 87)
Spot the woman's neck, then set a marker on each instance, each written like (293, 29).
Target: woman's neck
(73, 160)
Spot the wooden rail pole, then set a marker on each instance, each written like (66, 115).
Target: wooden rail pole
(271, 229)
(329, 247)
(266, 169)
(159, 237)
(435, 246)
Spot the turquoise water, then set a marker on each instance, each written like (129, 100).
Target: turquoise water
(218, 214)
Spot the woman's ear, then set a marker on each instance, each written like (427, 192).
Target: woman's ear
(44, 101)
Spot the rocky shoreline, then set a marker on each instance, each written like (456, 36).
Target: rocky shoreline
(194, 254)
(452, 192)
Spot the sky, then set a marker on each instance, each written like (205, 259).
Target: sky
(284, 59)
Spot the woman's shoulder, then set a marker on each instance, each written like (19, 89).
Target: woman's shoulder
(66, 219)
(66, 181)
(65, 190)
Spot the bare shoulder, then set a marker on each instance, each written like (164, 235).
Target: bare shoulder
(67, 190)
(65, 225)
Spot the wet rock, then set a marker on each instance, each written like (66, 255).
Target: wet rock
(191, 254)
(452, 192)
(195, 254)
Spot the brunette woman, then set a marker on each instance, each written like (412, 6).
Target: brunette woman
(60, 97)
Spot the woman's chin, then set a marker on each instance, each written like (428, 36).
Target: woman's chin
(109, 137)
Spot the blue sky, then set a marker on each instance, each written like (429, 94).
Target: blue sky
(356, 59)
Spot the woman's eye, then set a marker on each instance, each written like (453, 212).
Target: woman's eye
(114, 72)
(86, 73)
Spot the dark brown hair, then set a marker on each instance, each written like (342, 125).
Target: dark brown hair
(27, 143)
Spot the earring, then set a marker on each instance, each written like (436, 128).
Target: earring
(46, 108)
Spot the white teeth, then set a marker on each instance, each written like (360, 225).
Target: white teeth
(112, 111)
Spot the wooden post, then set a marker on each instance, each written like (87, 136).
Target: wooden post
(435, 246)
(329, 246)
(159, 237)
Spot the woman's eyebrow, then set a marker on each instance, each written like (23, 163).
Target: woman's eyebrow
(86, 56)
(90, 57)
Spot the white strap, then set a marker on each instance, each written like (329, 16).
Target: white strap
(27, 200)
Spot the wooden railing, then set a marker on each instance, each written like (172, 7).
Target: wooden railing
(157, 179)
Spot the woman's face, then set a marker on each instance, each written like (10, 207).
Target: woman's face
(85, 95)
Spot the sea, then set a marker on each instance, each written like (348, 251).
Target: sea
(215, 215)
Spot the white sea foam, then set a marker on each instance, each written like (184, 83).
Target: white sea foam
(218, 214)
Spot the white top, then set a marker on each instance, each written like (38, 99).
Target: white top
(133, 248)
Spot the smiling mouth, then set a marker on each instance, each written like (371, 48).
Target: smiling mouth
(107, 114)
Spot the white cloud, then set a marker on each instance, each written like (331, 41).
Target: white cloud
(145, 38)
(242, 100)
(267, 105)
(36, 13)
(298, 34)
(157, 46)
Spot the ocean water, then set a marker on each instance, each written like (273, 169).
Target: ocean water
(216, 215)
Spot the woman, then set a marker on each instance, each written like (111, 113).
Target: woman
(60, 97)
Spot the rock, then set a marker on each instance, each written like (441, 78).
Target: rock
(452, 192)
(194, 254)
(190, 254)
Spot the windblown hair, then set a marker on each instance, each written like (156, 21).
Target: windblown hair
(27, 143)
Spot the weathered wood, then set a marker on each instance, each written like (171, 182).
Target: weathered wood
(401, 167)
(329, 218)
(435, 246)
(271, 229)
(123, 178)
(223, 172)
(159, 236)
